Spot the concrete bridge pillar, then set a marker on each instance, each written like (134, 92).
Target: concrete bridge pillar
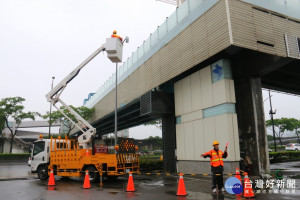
(251, 121)
(169, 142)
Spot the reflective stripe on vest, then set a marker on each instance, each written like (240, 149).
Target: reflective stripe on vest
(216, 159)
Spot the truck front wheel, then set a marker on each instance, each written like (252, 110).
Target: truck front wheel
(42, 172)
(93, 175)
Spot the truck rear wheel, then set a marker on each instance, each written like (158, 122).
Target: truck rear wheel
(93, 175)
(42, 172)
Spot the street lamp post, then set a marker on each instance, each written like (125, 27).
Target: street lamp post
(271, 115)
(50, 108)
(114, 50)
(116, 106)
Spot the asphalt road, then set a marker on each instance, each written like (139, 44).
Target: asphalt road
(16, 182)
(293, 167)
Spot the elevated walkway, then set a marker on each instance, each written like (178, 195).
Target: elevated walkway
(181, 19)
(33, 124)
(214, 57)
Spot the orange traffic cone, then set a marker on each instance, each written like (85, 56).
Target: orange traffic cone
(237, 174)
(248, 192)
(51, 181)
(87, 152)
(86, 183)
(181, 188)
(130, 185)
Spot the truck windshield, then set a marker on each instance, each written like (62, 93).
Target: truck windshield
(38, 147)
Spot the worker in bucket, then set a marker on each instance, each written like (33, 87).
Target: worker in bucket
(216, 161)
(114, 35)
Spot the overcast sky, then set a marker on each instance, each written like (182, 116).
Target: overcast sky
(44, 38)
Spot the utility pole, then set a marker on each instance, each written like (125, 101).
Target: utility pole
(297, 135)
(271, 115)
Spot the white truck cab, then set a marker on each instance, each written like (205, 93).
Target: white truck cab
(40, 158)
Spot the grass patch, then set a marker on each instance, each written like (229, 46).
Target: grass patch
(284, 156)
(279, 148)
(14, 156)
(148, 164)
(295, 177)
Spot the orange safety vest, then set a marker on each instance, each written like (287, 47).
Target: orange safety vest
(117, 36)
(215, 159)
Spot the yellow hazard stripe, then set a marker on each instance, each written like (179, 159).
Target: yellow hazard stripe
(140, 173)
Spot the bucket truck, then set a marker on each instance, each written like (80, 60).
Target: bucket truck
(71, 157)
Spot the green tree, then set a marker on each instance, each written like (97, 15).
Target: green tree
(154, 141)
(288, 124)
(157, 123)
(276, 124)
(57, 116)
(12, 108)
(297, 129)
(283, 125)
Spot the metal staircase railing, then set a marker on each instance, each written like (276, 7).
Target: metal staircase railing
(18, 141)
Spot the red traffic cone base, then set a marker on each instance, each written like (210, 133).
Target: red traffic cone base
(52, 188)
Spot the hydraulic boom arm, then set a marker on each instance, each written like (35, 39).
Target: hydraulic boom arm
(53, 96)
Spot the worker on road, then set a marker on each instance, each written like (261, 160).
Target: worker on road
(216, 161)
(114, 35)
